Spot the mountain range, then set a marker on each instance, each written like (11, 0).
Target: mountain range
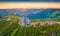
(33, 13)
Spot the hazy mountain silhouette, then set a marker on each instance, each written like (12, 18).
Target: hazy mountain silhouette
(40, 14)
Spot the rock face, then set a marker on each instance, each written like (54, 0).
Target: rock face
(34, 23)
(50, 22)
(25, 21)
(57, 22)
(8, 19)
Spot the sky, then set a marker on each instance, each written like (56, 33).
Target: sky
(29, 5)
(31, 0)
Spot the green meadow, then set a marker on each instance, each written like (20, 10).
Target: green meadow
(13, 28)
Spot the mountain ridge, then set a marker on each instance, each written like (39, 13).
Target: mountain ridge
(45, 13)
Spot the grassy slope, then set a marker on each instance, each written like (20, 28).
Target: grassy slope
(12, 28)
